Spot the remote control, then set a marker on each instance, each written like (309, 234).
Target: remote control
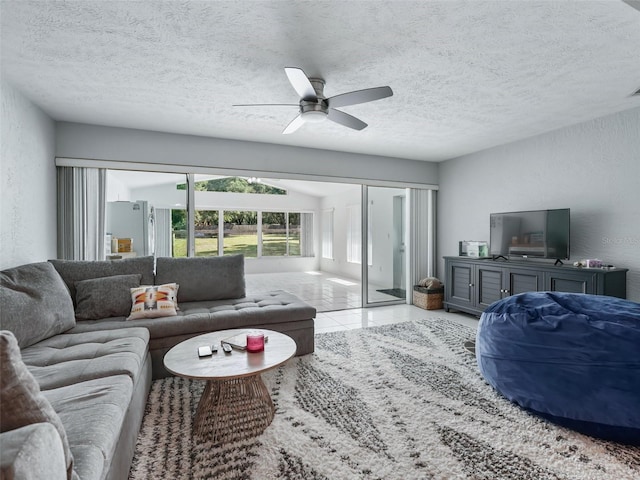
(204, 351)
(214, 349)
(226, 347)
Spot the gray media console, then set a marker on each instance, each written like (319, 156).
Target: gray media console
(472, 284)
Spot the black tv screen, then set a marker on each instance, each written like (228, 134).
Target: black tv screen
(536, 233)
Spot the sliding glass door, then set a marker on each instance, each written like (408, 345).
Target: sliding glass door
(145, 214)
(384, 233)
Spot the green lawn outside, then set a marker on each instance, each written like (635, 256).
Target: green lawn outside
(272, 245)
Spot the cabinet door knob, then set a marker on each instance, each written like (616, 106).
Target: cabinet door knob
(471, 284)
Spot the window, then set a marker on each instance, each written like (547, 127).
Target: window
(327, 234)
(354, 234)
(206, 233)
(179, 233)
(168, 227)
(147, 208)
(240, 233)
(281, 234)
(233, 184)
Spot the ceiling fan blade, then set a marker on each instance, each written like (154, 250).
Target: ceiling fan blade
(265, 105)
(346, 119)
(295, 124)
(359, 96)
(301, 83)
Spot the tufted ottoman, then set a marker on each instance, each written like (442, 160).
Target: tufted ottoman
(573, 359)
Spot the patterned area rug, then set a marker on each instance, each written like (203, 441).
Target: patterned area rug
(402, 401)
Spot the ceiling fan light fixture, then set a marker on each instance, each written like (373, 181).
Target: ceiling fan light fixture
(314, 116)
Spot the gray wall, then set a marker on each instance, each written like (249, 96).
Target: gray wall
(107, 143)
(27, 169)
(592, 168)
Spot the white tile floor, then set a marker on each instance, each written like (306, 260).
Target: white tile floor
(338, 301)
(325, 291)
(370, 317)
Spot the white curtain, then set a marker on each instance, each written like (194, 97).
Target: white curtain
(306, 235)
(354, 234)
(163, 234)
(327, 234)
(422, 233)
(81, 213)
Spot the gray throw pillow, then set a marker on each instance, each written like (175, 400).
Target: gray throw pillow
(34, 303)
(73, 271)
(203, 278)
(105, 297)
(21, 402)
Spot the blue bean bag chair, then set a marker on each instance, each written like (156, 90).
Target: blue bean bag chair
(573, 359)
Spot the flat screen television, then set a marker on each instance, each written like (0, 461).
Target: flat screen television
(535, 233)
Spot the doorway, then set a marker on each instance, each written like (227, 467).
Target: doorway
(384, 233)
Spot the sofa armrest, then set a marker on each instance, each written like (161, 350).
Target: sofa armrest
(33, 451)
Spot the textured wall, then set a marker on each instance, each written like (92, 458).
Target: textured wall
(27, 169)
(592, 168)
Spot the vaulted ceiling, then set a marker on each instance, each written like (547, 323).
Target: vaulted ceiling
(466, 75)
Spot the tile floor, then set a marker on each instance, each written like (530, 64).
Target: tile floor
(374, 316)
(325, 291)
(338, 301)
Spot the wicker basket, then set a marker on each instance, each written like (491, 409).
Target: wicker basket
(428, 298)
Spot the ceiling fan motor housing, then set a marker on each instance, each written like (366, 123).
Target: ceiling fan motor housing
(315, 110)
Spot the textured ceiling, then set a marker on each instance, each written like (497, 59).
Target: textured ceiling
(466, 75)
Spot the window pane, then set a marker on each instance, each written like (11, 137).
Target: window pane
(294, 234)
(206, 233)
(241, 233)
(274, 234)
(179, 232)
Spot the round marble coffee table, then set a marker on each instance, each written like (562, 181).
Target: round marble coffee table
(235, 403)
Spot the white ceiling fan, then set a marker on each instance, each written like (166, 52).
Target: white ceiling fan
(315, 107)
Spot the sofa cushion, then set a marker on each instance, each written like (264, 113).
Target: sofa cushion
(153, 301)
(203, 278)
(21, 401)
(33, 451)
(35, 303)
(201, 317)
(73, 271)
(93, 415)
(105, 297)
(71, 358)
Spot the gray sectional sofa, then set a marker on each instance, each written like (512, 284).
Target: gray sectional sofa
(81, 360)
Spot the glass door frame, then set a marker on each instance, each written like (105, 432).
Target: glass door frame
(365, 213)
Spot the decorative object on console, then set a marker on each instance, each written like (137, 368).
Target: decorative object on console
(473, 248)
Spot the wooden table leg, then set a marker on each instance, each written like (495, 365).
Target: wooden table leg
(231, 410)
